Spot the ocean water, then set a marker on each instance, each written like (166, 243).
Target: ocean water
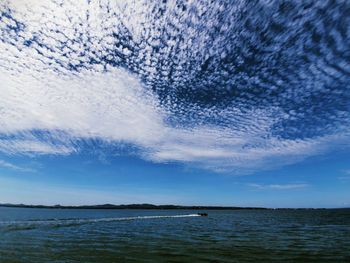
(65, 235)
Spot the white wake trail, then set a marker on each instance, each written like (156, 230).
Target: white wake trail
(31, 224)
(142, 217)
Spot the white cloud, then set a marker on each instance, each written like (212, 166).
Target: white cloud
(45, 107)
(12, 166)
(347, 171)
(346, 176)
(278, 186)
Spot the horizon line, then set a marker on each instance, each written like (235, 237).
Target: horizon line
(158, 207)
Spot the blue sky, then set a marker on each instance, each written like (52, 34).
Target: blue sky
(175, 102)
(77, 179)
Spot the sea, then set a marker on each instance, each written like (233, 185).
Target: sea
(87, 235)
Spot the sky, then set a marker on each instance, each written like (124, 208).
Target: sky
(238, 103)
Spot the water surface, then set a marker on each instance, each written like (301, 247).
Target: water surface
(69, 235)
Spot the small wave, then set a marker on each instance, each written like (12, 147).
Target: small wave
(66, 222)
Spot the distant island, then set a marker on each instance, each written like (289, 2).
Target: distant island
(132, 206)
(144, 206)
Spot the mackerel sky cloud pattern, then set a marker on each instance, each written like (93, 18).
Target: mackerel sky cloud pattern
(227, 86)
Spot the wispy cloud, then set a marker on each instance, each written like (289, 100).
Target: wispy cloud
(12, 166)
(278, 186)
(347, 171)
(345, 176)
(68, 79)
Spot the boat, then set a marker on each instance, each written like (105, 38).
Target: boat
(202, 214)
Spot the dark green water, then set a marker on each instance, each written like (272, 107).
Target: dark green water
(59, 235)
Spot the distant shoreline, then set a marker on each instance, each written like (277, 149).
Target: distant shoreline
(154, 207)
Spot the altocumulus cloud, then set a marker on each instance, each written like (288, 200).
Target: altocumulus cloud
(222, 86)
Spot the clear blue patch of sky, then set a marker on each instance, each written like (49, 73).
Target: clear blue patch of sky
(322, 181)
